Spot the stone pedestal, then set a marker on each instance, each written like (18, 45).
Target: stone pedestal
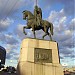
(39, 57)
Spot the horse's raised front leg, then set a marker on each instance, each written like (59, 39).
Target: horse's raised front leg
(25, 27)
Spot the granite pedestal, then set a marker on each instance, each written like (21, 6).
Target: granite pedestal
(39, 57)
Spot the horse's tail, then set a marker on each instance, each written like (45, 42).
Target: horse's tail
(51, 28)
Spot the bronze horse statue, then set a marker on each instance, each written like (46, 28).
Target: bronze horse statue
(32, 23)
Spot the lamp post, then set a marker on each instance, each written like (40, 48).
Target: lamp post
(0, 63)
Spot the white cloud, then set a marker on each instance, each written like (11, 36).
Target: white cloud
(72, 25)
(62, 20)
(73, 21)
(20, 27)
(4, 24)
(9, 47)
(12, 51)
(68, 32)
(58, 19)
(8, 39)
(55, 16)
(52, 16)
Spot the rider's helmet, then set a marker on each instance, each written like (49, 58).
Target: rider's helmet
(36, 7)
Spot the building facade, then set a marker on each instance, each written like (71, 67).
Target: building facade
(2, 55)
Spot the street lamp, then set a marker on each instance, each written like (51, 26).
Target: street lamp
(0, 60)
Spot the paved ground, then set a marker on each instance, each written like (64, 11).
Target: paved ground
(5, 73)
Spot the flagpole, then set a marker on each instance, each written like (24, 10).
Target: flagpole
(36, 2)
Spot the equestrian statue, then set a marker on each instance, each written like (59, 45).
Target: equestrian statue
(35, 22)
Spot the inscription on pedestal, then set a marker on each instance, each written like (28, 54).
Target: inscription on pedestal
(42, 55)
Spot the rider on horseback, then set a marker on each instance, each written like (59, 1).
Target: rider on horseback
(38, 15)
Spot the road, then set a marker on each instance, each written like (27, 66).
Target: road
(6, 73)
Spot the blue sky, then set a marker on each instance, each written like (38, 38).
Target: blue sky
(59, 12)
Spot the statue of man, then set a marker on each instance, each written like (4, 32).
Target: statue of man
(38, 15)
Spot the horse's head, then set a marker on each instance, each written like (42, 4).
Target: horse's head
(24, 14)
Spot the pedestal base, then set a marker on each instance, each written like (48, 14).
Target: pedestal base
(39, 57)
(29, 68)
